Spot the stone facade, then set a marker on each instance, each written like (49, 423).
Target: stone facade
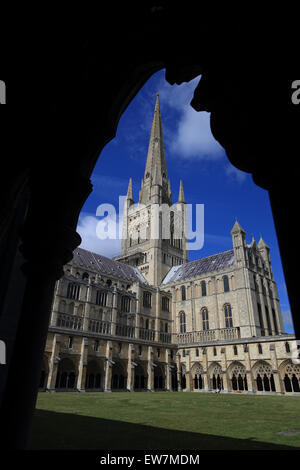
(150, 320)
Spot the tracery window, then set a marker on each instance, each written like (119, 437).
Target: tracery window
(264, 378)
(182, 322)
(226, 283)
(228, 316)
(205, 321)
(292, 378)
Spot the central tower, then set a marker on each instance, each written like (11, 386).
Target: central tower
(153, 229)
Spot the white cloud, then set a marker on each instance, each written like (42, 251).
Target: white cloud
(234, 173)
(87, 229)
(193, 138)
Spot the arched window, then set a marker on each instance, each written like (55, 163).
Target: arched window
(205, 322)
(85, 276)
(287, 347)
(203, 288)
(182, 322)
(73, 291)
(183, 293)
(259, 347)
(228, 316)
(226, 283)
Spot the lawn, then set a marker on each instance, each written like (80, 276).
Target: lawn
(181, 421)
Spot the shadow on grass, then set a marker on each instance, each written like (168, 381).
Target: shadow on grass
(64, 431)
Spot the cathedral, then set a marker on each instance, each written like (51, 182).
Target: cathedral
(150, 320)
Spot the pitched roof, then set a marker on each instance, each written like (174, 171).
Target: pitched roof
(197, 267)
(107, 266)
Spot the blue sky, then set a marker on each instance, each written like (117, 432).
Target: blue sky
(192, 155)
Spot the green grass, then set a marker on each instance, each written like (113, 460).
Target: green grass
(191, 421)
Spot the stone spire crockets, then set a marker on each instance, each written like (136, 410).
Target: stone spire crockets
(156, 186)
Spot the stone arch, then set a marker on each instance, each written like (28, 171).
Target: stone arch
(237, 376)
(159, 378)
(66, 374)
(215, 376)
(263, 377)
(94, 375)
(118, 376)
(197, 376)
(140, 378)
(290, 376)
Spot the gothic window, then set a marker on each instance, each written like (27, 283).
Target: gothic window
(96, 345)
(239, 377)
(125, 303)
(292, 378)
(165, 303)
(268, 320)
(101, 297)
(263, 286)
(70, 342)
(197, 352)
(203, 288)
(85, 276)
(216, 378)
(158, 352)
(147, 298)
(235, 351)
(73, 291)
(147, 324)
(197, 373)
(226, 283)
(275, 322)
(215, 351)
(264, 378)
(228, 316)
(140, 349)
(287, 347)
(182, 322)
(259, 348)
(166, 327)
(183, 293)
(261, 323)
(205, 322)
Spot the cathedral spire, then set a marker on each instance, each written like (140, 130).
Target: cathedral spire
(156, 168)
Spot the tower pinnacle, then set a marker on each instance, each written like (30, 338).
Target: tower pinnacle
(181, 197)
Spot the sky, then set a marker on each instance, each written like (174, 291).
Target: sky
(193, 155)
